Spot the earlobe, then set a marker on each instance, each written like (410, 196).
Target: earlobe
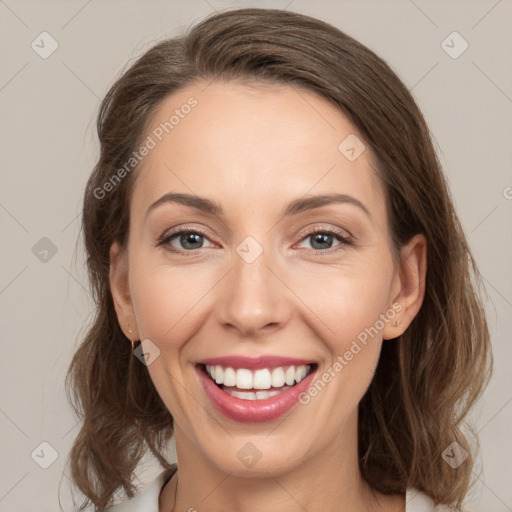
(119, 287)
(411, 278)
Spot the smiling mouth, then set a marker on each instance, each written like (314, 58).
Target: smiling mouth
(257, 384)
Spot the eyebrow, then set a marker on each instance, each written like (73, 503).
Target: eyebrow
(297, 206)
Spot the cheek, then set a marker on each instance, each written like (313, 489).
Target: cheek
(166, 298)
(168, 301)
(347, 311)
(345, 302)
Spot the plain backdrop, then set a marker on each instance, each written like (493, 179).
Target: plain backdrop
(48, 107)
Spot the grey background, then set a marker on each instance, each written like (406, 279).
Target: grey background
(48, 108)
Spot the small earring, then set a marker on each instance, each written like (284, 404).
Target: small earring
(396, 323)
(131, 341)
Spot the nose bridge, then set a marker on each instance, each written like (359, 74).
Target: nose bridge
(253, 297)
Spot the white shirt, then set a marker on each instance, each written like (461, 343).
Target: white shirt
(147, 500)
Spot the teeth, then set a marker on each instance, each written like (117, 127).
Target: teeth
(263, 378)
(289, 376)
(300, 373)
(229, 378)
(277, 378)
(251, 395)
(243, 379)
(218, 375)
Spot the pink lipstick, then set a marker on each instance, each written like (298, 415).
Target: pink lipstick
(255, 389)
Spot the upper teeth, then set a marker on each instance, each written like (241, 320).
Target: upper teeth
(264, 378)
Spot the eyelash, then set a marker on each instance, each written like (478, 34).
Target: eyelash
(165, 239)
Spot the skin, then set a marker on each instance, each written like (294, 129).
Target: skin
(253, 149)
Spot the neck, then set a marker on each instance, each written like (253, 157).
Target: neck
(329, 480)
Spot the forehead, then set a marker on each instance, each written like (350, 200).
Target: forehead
(252, 147)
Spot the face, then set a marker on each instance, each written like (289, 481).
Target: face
(267, 272)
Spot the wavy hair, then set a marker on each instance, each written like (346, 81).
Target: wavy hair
(426, 379)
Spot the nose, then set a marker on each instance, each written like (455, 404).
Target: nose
(253, 301)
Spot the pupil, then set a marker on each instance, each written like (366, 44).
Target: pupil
(191, 238)
(322, 238)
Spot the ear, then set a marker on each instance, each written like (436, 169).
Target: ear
(120, 290)
(408, 288)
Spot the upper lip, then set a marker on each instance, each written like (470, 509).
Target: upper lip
(252, 363)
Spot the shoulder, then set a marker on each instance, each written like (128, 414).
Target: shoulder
(417, 501)
(147, 500)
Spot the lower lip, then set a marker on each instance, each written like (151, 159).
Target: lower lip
(253, 411)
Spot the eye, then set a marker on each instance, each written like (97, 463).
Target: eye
(322, 238)
(188, 240)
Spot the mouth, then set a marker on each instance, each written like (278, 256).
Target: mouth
(258, 394)
(257, 384)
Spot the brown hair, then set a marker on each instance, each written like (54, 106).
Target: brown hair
(426, 379)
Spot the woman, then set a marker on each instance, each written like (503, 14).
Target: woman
(269, 226)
